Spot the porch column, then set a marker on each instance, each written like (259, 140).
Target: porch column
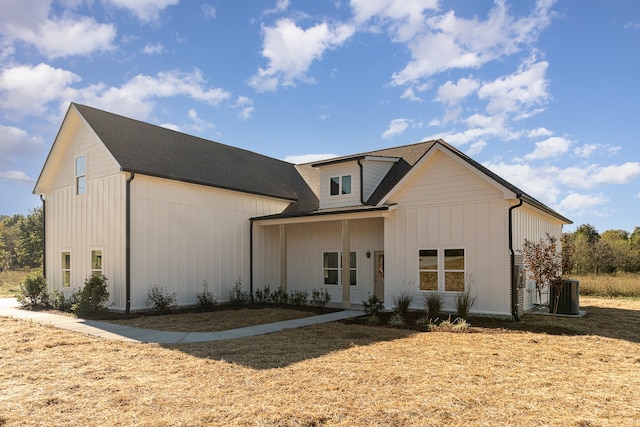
(346, 267)
(283, 257)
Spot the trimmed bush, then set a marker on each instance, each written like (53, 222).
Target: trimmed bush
(237, 295)
(160, 300)
(33, 290)
(92, 297)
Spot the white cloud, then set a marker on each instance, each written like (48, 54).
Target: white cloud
(404, 18)
(291, 50)
(134, 98)
(550, 147)
(616, 174)
(29, 90)
(171, 126)
(541, 183)
(396, 127)
(539, 132)
(17, 143)
(410, 95)
(198, 124)
(452, 93)
(26, 90)
(632, 25)
(525, 88)
(54, 37)
(245, 105)
(476, 148)
(208, 10)
(281, 6)
(298, 159)
(575, 202)
(447, 41)
(145, 10)
(153, 49)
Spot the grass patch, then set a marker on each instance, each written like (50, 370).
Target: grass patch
(584, 373)
(10, 281)
(625, 285)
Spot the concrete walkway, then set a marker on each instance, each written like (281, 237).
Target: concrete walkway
(10, 308)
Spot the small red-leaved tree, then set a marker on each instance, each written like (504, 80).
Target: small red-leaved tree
(543, 261)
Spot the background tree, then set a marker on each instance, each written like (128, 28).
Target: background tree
(30, 239)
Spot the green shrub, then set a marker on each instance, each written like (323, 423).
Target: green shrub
(57, 301)
(92, 297)
(427, 322)
(403, 301)
(320, 298)
(464, 302)
(373, 319)
(160, 300)
(206, 300)
(298, 298)
(373, 305)
(33, 290)
(433, 304)
(263, 295)
(237, 295)
(279, 296)
(396, 319)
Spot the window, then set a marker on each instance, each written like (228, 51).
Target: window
(66, 269)
(96, 263)
(340, 185)
(441, 270)
(428, 267)
(332, 266)
(81, 175)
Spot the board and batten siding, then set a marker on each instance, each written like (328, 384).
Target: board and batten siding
(306, 242)
(531, 224)
(446, 205)
(79, 224)
(185, 234)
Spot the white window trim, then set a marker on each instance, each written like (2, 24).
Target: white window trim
(351, 268)
(441, 270)
(76, 176)
(341, 178)
(63, 269)
(91, 269)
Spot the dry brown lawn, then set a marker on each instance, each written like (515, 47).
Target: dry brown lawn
(215, 320)
(585, 373)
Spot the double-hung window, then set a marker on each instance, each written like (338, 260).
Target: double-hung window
(66, 269)
(81, 175)
(96, 263)
(340, 185)
(332, 268)
(442, 270)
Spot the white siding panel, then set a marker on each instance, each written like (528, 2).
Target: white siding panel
(444, 205)
(373, 171)
(184, 234)
(341, 200)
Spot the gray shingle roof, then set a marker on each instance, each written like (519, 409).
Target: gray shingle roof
(147, 149)
(153, 150)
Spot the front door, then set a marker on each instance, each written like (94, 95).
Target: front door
(378, 283)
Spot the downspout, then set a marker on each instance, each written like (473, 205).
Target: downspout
(514, 281)
(44, 237)
(128, 245)
(251, 259)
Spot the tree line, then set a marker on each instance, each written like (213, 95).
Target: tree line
(613, 251)
(21, 240)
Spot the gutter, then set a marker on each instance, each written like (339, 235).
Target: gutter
(512, 262)
(128, 245)
(44, 237)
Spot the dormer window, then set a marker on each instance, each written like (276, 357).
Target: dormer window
(340, 185)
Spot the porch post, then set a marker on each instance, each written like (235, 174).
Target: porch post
(346, 267)
(283, 257)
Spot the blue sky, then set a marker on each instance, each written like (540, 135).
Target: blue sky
(544, 93)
